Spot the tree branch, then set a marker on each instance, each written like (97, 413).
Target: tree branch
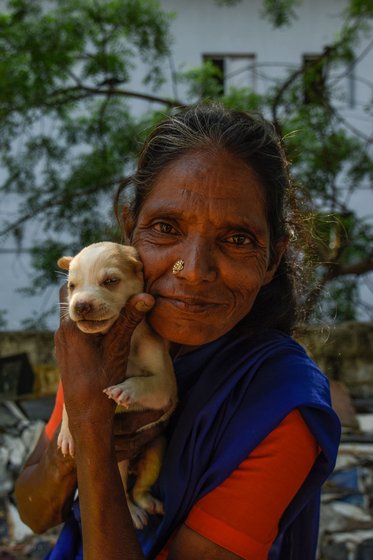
(135, 94)
(333, 271)
(53, 202)
(77, 93)
(356, 269)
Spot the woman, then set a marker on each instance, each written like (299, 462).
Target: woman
(254, 436)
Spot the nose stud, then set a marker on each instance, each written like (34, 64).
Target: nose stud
(178, 266)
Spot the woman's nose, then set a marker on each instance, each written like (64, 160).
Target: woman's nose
(199, 261)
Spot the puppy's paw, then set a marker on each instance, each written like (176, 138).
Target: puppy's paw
(123, 394)
(66, 443)
(139, 516)
(148, 503)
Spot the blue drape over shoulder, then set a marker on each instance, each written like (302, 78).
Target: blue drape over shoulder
(233, 392)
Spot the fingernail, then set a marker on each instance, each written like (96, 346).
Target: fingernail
(142, 306)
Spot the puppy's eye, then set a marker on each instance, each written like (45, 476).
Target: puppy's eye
(71, 286)
(109, 282)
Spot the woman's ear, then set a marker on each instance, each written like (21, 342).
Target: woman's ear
(128, 223)
(280, 248)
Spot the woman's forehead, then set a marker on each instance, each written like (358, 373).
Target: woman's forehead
(215, 188)
(217, 177)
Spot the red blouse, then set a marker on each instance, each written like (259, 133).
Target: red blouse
(242, 514)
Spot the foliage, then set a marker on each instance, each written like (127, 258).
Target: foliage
(330, 161)
(227, 2)
(3, 321)
(69, 133)
(202, 82)
(37, 321)
(61, 98)
(280, 12)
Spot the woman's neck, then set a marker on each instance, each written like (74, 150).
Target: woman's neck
(176, 350)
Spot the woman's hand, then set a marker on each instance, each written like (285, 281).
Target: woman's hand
(127, 440)
(89, 363)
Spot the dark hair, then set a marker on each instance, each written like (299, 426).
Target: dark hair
(252, 139)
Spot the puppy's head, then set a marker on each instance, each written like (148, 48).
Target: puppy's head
(101, 278)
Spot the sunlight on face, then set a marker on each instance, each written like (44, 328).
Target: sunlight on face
(206, 208)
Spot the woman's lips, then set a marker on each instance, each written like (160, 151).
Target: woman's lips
(188, 303)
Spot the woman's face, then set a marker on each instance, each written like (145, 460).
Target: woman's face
(206, 208)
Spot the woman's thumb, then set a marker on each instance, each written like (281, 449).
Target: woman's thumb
(135, 309)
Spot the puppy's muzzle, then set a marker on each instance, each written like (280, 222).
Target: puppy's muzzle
(82, 308)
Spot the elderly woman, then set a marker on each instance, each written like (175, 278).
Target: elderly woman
(254, 436)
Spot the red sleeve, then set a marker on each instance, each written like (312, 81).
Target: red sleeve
(242, 514)
(56, 415)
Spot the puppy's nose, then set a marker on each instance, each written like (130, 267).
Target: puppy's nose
(82, 307)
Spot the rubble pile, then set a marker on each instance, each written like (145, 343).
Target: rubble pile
(346, 530)
(346, 523)
(18, 436)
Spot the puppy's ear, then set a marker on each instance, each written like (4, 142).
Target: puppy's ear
(64, 262)
(131, 256)
(139, 266)
(136, 264)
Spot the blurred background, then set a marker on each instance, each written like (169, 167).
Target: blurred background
(81, 82)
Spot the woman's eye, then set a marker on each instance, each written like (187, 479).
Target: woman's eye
(164, 227)
(239, 239)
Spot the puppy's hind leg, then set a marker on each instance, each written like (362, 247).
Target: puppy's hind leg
(139, 516)
(148, 467)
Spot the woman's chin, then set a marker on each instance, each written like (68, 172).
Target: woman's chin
(185, 333)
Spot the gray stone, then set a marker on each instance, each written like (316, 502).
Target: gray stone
(334, 551)
(6, 479)
(7, 419)
(340, 516)
(350, 454)
(40, 549)
(342, 404)
(18, 531)
(17, 452)
(365, 550)
(344, 352)
(31, 434)
(4, 533)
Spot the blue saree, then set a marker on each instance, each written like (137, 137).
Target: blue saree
(233, 392)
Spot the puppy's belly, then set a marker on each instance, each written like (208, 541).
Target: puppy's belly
(135, 407)
(164, 415)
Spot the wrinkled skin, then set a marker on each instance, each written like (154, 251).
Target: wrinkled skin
(210, 212)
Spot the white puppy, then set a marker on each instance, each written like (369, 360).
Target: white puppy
(101, 278)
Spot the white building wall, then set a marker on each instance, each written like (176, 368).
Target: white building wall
(200, 27)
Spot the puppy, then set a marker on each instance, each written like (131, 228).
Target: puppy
(101, 278)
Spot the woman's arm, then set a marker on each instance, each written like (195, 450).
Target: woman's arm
(46, 486)
(106, 521)
(88, 364)
(242, 514)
